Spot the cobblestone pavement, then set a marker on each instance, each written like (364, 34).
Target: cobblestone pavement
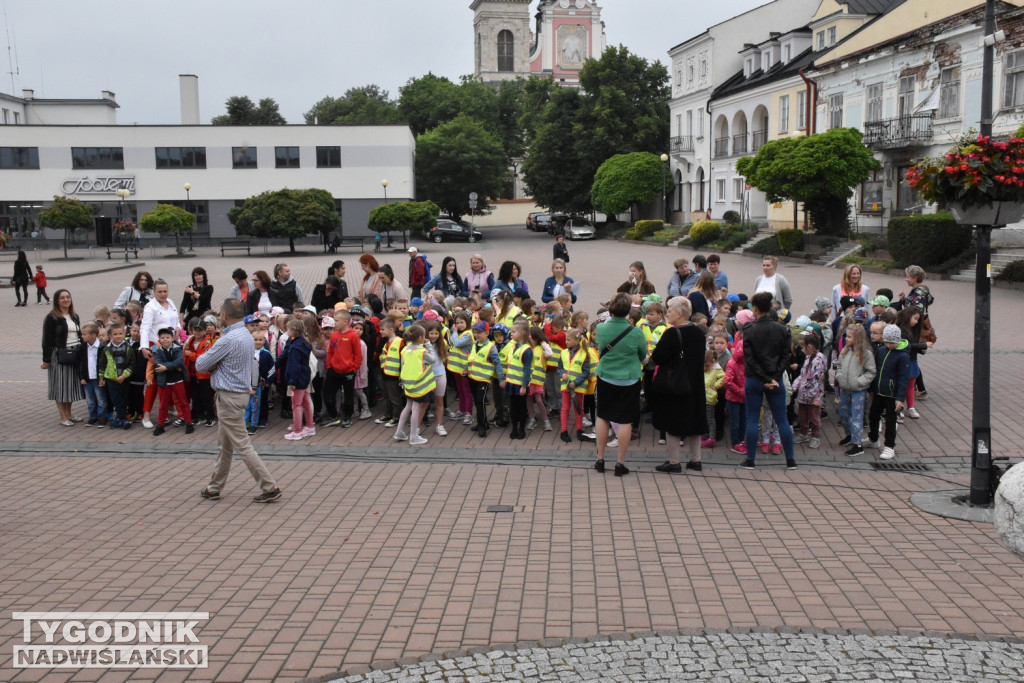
(378, 555)
(775, 657)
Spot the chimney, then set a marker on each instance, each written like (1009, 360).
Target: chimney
(27, 94)
(107, 95)
(189, 88)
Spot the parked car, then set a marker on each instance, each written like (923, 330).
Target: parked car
(577, 228)
(557, 225)
(449, 231)
(543, 222)
(531, 220)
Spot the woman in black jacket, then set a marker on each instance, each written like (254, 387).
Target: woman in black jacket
(20, 279)
(197, 297)
(62, 332)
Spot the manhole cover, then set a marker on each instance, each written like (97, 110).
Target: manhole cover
(901, 466)
(499, 508)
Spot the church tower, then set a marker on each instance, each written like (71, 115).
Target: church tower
(503, 41)
(569, 32)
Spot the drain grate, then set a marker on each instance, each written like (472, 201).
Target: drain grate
(901, 466)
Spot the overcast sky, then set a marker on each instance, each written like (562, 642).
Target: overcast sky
(296, 52)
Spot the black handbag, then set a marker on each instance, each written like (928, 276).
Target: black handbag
(672, 380)
(67, 356)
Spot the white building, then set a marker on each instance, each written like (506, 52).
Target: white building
(699, 66)
(224, 165)
(31, 111)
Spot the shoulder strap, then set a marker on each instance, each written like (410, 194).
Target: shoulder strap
(615, 341)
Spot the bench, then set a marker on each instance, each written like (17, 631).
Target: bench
(338, 242)
(118, 250)
(228, 245)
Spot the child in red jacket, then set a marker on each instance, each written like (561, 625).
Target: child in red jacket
(344, 358)
(40, 279)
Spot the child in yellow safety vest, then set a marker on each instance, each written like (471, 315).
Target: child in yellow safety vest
(574, 370)
(484, 363)
(500, 335)
(653, 326)
(535, 402)
(417, 377)
(517, 379)
(461, 339)
(391, 365)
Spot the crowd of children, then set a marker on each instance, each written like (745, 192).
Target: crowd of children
(506, 362)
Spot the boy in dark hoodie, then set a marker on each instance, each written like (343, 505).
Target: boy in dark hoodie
(889, 388)
(169, 370)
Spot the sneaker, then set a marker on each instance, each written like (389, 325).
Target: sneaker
(190, 428)
(587, 423)
(346, 423)
(157, 431)
(400, 436)
(887, 453)
(210, 423)
(707, 443)
(467, 419)
(92, 422)
(365, 414)
(547, 426)
(382, 420)
(799, 437)
(210, 495)
(913, 414)
(765, 447)
(308, 431)
(919, 395)
(899, 417)
(441, 431)
(250, 430)
(747, 464)
(854, 450)
(531, 424)
(178, 422)
(845, 440)
(268, 496)
(740, 448)
(815, 442)
(392, 423)
(776, 448)
(293, 436)
(589, 437)
(873, 444)
(614, 443)
(417, 441)
(331, 422)
(454, 414)
(791, 464)
(114, 424)
(668, 467)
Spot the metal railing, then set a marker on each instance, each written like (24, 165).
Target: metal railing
(682, 143)
(759, 138)
(739, 143)
(721, 147)
(903, 131)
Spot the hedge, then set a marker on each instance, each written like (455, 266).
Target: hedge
(1012, 272)
(732, 217)
(769, 246)
(790, 240)
(926, 240)
(705, 232)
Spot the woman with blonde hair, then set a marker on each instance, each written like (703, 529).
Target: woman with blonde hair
(850, 284)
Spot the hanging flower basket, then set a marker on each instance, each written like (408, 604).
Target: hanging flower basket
(124, 228)
(979, 179)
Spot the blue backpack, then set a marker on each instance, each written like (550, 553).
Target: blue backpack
(426, 267)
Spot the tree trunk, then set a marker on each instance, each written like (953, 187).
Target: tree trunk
(65, 244)
(291, 245)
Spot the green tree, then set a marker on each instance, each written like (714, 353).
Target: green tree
(167, 219)
(456, 158)
(428, 101)
(242, 112)
(366, 105)
(552, 170)
(403, 217)
(819, 170)
(626, 180)
(287, 213)
(66, 214)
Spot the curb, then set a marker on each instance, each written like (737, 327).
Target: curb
(550, 643)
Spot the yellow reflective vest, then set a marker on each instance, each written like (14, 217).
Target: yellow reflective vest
(573, 366)
(480, 368)
(540, 365)
(417, 375)
(458, 359)
(516, 370)
(391, 357)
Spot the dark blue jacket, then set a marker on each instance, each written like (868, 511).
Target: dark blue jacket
(295, 360)
(893, 371)
(174, 360)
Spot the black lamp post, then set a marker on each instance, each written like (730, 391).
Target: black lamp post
(188, 188)
(122, 194)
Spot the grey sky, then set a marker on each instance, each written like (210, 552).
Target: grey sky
(296, 52)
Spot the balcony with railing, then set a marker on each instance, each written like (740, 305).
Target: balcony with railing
(721, 147)
(759, 138)
(739, 144)
(682, 144)
(903, 131)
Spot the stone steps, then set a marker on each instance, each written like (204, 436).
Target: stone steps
(999, 261)
(829, 258)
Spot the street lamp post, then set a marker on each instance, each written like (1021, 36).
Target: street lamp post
(122, 194)
(188, 188)
(664, 188)
(384, 184)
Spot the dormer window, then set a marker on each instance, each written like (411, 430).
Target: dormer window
(832, 36)
(787, 53)
(748, 66)
(820, 39)
(766, 60)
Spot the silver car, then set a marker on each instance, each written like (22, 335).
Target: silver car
(579, 229)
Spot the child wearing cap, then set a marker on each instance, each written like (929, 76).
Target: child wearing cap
(810, 392)
(484, 363)
(890, 388)
(416, 308)
(344, 358)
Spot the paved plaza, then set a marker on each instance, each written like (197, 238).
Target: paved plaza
(382, 556)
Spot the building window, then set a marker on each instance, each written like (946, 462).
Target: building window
(689, 72)
(832, 36)
(787, 53)
(835, 111)
(821, 40)
(871, 194)
(689, 122)
(506, 45)
(906, 96)
(243, 157)
(784, 113)
(1013, 79)
(286, 157)
(6, 114)
(17, 118)
(700, 124)
(801, 110)
(679, 74)
(720, 190)
(766, 60)
(874, 103)
(97, 157)
(703, 67)
(949, 93)
(19, 157)
(181, 157)
(738, 186)
(328, 157)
